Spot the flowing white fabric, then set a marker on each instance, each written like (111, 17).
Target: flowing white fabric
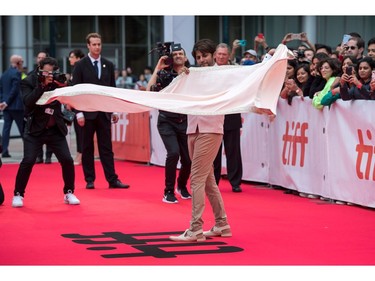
(204, 91)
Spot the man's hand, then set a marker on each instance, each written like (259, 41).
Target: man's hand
(287, 38)
(236, 44)
(161, 63)
(80, 119)
(184, 70)
(3, 105)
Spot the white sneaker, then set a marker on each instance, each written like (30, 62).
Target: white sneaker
(17, 201)
(71, 199)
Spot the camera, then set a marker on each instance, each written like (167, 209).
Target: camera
(59, 79)
(165, 76)
(57, 76)
(300, 54)
(164, 49)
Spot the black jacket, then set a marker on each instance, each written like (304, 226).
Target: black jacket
(36, 116)
(84, 72)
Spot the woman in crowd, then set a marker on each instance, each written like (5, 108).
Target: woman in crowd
(359, 84)
(330, 70)
(300, 85)
(289, 82)
(318, 81)
(347, 66)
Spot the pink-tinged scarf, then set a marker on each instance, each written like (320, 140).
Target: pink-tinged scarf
(204, 91)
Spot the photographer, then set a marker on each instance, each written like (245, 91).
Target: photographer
(44, 125)
(172, 126)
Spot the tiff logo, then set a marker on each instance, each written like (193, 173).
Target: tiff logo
(293, 136)
(114, 245)
(362, 150)
(119, 129)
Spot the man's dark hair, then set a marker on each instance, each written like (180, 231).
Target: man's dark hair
(359, 40)
(322, 46)
(355, 34)
(320, 56)
(371, 41)
(49, 61)
(204, 46)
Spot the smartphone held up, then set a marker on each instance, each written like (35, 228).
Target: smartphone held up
(296, 36)
(349, 70)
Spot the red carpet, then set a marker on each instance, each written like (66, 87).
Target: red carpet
(131, 227)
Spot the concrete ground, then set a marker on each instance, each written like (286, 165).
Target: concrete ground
(16, 148)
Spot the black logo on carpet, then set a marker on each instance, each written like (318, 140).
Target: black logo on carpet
(152, 244)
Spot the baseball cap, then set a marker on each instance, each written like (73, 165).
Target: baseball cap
(176, 47)
(251, 52)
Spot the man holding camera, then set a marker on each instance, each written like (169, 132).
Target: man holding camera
(172, 126)
(44, 125)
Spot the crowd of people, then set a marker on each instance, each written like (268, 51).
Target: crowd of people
(325, 75)
(320, 75)
(315, 73)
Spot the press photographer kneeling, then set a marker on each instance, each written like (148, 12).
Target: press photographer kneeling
(44, 125)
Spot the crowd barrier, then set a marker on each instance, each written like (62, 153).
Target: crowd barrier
(329, 152)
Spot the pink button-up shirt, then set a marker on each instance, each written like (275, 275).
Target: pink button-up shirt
(205, 124)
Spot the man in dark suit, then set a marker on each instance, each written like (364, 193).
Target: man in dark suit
(95, 69)
(44, 125)
(11, 101)
(232, 135)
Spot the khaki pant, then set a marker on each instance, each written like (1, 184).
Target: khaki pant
(203, 148)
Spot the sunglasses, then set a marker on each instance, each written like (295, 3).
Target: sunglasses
(350, 47)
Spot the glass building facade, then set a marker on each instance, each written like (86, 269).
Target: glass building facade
(128, 40)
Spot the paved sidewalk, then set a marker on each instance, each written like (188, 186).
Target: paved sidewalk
(16, 148)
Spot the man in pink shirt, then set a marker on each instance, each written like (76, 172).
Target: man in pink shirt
(205, 134)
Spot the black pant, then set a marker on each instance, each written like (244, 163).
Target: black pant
(173, 135)
(232, 149)
(102, 127)
(31, 146)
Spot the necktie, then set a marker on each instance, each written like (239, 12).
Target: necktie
(96, 68)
